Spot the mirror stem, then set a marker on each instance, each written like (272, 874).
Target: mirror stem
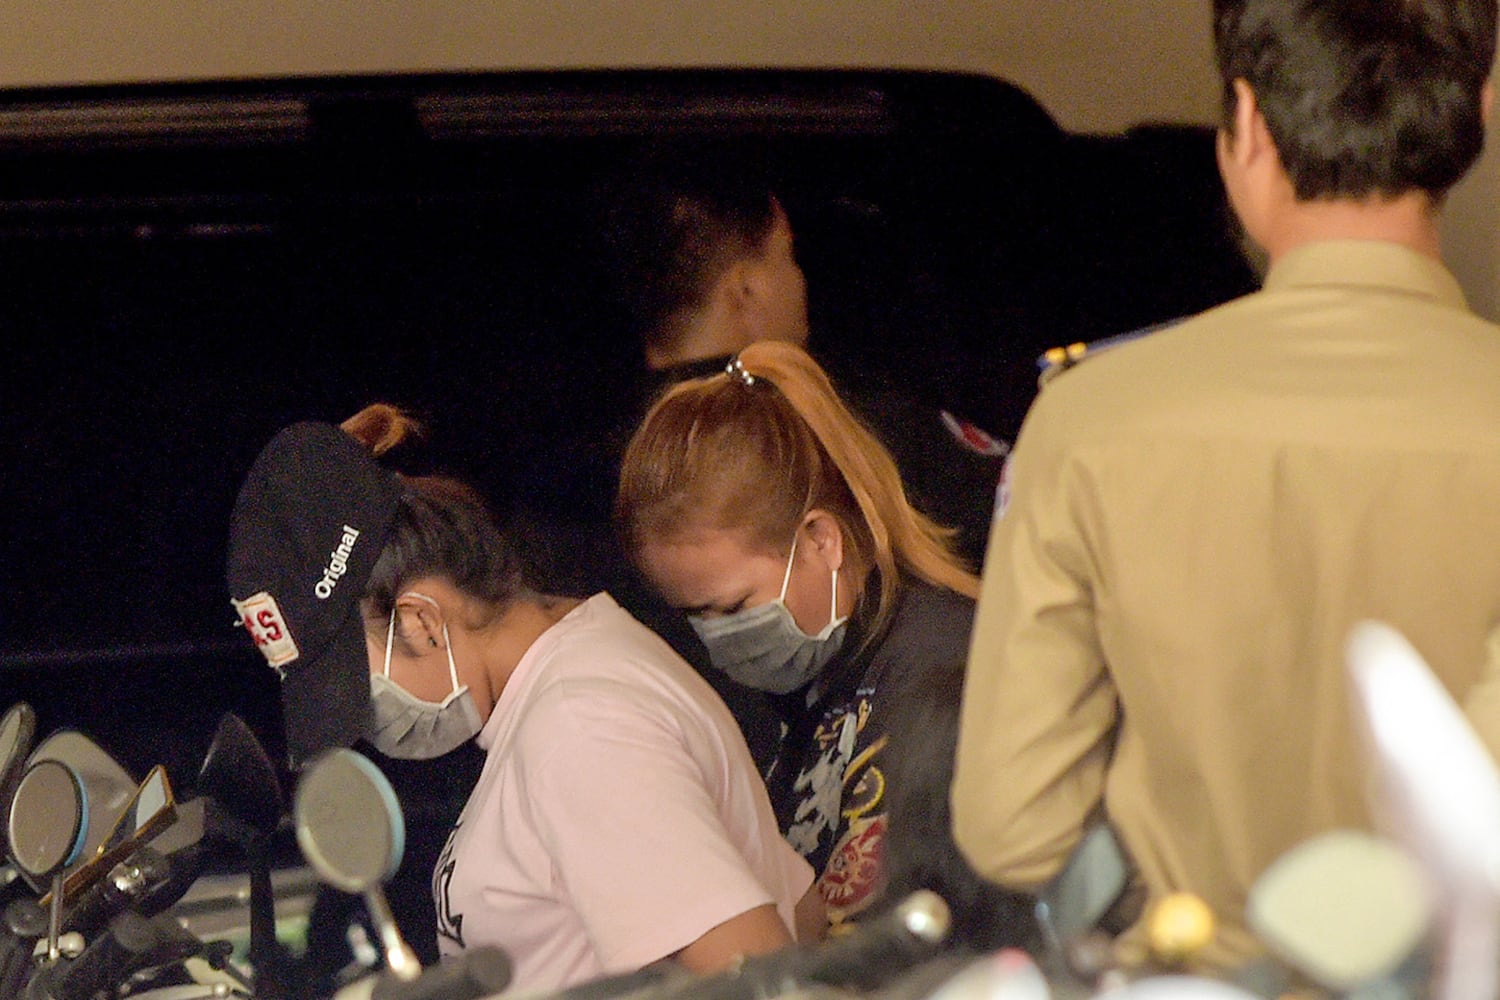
(267, 961)
(54, 920)
(399, 957)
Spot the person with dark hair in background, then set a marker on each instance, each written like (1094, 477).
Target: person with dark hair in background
(618, 819)
(704, 259)
(703, 255)
(1193, 521)
(760, 507)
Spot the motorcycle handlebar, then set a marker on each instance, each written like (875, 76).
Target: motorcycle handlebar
(132, 943)
(478, 972)
(867, 956)
(25, 922)
(122, 888)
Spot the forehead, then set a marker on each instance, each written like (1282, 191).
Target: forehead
(710, 566)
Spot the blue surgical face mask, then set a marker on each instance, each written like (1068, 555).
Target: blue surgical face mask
(764, 648)
(412, 729)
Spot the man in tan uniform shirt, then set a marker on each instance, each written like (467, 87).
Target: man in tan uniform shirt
(1191, 522)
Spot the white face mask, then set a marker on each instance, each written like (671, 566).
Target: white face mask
(412, 729)
(764, 648)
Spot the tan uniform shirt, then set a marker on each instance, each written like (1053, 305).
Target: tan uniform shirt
(1194, 521)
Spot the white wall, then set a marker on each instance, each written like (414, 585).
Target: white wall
(1098, 65)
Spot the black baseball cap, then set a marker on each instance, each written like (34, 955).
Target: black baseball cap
(308, 525)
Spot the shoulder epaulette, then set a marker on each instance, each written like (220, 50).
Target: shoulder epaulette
(1057, 360)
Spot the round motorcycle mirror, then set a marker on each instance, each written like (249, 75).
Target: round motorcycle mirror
(17, 728)
(46, 828)
(351, 831)
(1346, 908)
(108, 787)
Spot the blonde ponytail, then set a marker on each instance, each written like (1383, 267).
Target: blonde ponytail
(759, 446)
(902, 537)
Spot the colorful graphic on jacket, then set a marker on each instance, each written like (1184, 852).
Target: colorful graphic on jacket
(840, 807)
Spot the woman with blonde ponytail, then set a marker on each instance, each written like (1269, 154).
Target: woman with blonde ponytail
(759, 506)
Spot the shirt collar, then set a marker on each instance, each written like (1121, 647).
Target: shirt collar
(1368, 264)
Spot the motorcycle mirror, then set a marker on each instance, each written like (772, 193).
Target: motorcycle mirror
(47, 823)
(1346, 908)
(46, 828)
(1438, 794)
(1181, 987)
(1092, 881)
(150, 811)
(108, 787)
(239, 776)
(17, 728)
(351, 831)
(186, 830)
(243, 805)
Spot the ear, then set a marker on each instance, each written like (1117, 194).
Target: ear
(753, 287)
(738, 285)
(419, 621)
(1249, 138)
(732, 312)
(1486, 101)
(821, 537)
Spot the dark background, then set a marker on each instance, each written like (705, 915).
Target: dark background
(185, 269)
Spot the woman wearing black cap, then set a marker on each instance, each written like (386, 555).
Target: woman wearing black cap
(618, 820)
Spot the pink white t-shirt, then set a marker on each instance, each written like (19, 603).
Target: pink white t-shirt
(618, 816)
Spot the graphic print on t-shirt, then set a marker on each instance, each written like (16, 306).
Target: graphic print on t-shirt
(450, 925)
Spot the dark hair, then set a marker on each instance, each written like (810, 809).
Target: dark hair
(1362, 97)
(675, 224)
(442, 528)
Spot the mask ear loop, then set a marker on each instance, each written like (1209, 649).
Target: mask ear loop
(452, 667)
(390, 634)
(833, 598)
(787, 578)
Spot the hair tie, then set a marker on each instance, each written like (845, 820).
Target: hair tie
(736, 369)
